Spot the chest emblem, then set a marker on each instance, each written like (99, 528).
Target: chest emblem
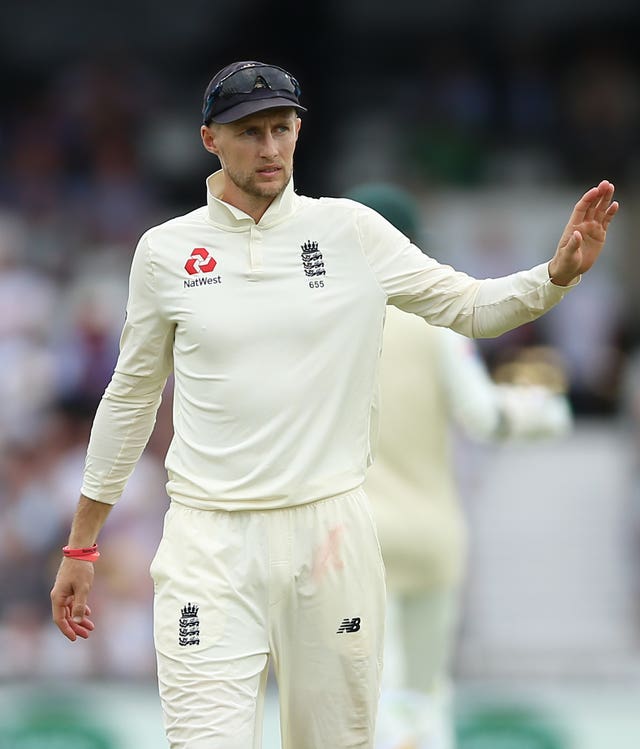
(200, 261)
(312, 260)
(189, 625)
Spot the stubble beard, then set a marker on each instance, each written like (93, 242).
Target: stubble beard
(247, 183)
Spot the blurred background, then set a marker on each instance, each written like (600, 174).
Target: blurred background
(497, 115)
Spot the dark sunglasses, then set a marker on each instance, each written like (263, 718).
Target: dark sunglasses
(247, 79)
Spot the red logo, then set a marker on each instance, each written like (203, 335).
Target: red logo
(200, 261)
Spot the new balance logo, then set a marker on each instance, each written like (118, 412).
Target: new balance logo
(349, 625)
(189, 625)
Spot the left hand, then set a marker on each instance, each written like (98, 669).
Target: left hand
(584, 236)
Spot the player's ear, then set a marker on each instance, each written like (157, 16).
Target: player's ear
(208, 135)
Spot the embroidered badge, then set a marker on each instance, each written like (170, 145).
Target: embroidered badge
(189, 625)
(312, 260)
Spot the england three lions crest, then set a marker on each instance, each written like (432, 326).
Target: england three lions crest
(312, 260)
(189, 625)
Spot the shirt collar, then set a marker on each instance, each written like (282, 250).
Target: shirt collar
(228, 215)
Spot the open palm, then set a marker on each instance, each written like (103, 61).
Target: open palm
(584, 235)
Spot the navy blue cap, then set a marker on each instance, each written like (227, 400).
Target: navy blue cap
(246, 87)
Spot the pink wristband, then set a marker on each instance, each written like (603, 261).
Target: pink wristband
(88, 554)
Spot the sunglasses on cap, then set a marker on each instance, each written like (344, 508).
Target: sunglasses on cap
(249, 79)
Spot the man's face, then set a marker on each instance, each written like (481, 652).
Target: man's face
(256, 152)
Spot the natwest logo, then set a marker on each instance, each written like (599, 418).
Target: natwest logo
(200, 261)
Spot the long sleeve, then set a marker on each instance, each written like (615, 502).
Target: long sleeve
(487, 411)
(126, 414)
(445, 297)
(472, 397)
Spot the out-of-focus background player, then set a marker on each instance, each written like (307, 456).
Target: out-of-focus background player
(431, 381)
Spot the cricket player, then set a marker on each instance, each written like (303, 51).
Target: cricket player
(268, 308)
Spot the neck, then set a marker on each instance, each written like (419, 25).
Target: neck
(253, 205)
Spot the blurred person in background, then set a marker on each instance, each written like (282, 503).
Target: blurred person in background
(29, 299)
(91, 315)
(432, 380)
(30, 524)
(268, 307)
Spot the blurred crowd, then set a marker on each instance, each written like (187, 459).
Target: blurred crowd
(91, 156)
(74, 198)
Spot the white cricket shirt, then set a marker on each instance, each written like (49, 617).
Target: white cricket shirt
(273, 330)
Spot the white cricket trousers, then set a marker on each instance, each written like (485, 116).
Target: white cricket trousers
(300, 587)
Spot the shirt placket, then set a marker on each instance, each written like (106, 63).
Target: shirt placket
(255, 252)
